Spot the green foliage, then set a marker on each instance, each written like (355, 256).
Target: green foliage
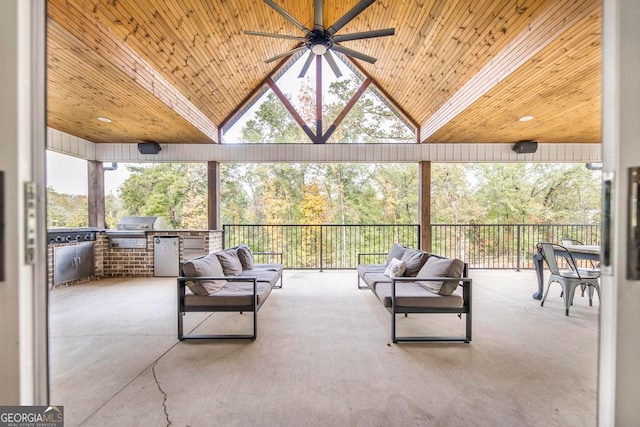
(272, 125)
(370, 120)
(66, 210)
(500, 193)
(168, 190)
(319, 193)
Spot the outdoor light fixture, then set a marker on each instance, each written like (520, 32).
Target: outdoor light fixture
(526, 118)
(525, 147)
(105, 119)
(149, 147)
(319, 49)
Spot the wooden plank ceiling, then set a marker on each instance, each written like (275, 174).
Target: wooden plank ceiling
(464, 70)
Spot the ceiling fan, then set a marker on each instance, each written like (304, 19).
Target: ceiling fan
(321, 40)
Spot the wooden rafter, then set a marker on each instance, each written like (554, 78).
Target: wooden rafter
(381, 92)
(258, 91)
(356, 96)
(287, 104)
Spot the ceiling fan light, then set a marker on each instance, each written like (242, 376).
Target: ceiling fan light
(319, 49)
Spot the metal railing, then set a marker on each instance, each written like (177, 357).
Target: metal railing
(504, 246)
(321, 246)
(482, 246)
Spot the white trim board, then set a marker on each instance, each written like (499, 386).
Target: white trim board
(324, 153)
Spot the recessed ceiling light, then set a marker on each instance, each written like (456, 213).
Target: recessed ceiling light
(105, 119)
(525, 118)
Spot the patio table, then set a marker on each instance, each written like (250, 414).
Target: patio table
(589, 252)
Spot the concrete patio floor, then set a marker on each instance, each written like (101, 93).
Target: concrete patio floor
(322, 357)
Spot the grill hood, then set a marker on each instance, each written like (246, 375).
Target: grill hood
(142, 223)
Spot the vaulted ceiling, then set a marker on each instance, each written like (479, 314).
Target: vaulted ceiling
(463, 71)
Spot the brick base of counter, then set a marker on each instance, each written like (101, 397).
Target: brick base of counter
(138, 262)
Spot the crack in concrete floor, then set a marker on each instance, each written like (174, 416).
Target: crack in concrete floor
(164, 394)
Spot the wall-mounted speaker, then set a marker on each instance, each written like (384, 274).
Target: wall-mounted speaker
(525, 147)
(149, 148)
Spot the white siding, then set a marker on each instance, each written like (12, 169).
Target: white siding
(378, 153)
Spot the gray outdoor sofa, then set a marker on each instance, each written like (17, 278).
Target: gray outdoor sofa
(227, 280)
(428, 284)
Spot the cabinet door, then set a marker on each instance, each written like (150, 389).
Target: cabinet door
(73, 263)
(84, 261)
(64, 264)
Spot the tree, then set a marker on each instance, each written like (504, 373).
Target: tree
(167, 190)
(538, 193)
(66, 210)
(453, 194)
(272, 124)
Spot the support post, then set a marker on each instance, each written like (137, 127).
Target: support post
(425, 206)
(213, 211)
(95, 170)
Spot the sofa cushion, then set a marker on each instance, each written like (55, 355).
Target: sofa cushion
(207, 266)
(372, 279)
(234, 294)
(412, 294)
(230, 262)
(262, 275)
(396, 252)
(395, 268)
(245, 256)
(441, 267)
(414, 260)
(370, 268)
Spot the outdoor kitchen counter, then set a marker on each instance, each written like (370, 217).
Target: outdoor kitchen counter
(118, 262)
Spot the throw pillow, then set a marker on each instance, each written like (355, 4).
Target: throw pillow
(207, 266)
(441, 267)
(415, 259)
(246, 257)
(230, 262)
(395, 268)
(396, 252)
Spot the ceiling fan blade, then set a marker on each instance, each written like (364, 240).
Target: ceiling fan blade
(362, 5)
(354, 53)
(318, 17)
(287, 53)
(332, 63)
(364, 35)
(288, 16)
(306, 65)
(275, 36)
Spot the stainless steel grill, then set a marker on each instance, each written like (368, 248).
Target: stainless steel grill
(131, 231)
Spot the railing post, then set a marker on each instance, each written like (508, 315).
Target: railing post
(321, 252)
(518, 248)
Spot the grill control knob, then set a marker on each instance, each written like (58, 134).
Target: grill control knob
(59, 239)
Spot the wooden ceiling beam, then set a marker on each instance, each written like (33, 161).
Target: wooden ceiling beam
(134, 67)
(545, 29)
(258, 91)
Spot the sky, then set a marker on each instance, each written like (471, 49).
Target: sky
(68, 175)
